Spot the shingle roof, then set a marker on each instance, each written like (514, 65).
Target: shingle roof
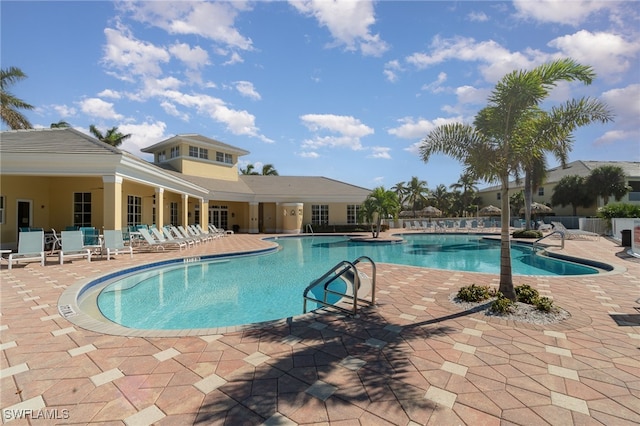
(47, 141)
(280, 186)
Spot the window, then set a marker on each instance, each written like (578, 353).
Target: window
(173, 213)
(541, 191)
(223, 157)
(162, 156)
(175, 152)
(196, 214)
(197, 152)
(320, 214)
(134, 210)
(2, 203)
(82, 209)
(634, 194)
(499, 196)
(352, 213)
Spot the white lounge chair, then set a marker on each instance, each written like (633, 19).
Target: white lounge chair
(73, 246)
(207, 232)
(30, 248)
(158, 236)
(149, 241)
(114, 243)
(198, 234)
(170, 237)
(183, 234)
(574, 234)
(221, 231)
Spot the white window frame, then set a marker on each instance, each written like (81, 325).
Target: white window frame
(3, 203)
(134, 210)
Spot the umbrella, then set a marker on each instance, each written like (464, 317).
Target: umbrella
(537, 208)
(490, 211)
(431, 211)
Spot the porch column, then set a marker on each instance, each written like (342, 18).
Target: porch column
(185, 209)
(254, 222)
(112, 216)
(159, 207)
(204, 214)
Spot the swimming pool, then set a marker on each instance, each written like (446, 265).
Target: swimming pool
(233, 291)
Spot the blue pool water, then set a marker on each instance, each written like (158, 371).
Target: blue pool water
(226, 292)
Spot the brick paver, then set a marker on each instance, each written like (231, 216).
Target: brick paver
(414, 359)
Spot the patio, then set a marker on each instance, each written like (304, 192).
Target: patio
(415, 359)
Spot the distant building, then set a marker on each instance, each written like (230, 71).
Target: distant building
(543, 194)
(55, 178)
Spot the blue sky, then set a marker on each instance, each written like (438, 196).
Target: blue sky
(342, 89)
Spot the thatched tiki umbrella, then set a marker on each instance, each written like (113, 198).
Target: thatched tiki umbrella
(431, 211)
(537, 209)
(490, 211)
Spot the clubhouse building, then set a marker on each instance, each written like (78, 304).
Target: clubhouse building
(58, 178)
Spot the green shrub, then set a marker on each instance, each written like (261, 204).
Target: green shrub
(544, 304)
(618, 210)
(502, 305)
(475, 293)
(523, 233)
(526, 294)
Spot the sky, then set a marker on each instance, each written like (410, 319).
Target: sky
(341, 89)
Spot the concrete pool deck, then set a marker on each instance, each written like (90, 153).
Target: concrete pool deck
(414, 359)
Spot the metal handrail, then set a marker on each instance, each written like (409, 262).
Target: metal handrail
(373, 278)
(535, 243)
(333, 274)
(309, 228)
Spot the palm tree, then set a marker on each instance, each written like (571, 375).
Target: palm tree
(572, 189)
(467, 185)
(494, 147)
(269, 170)
(441, 199)
(401, 191)
(9, 104)
(379, 204)
(605, 181)
(112, 137)
(249, 170)
(416, 193)
(60, 125)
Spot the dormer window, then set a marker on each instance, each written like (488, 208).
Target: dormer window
(223, 157)
(197, 152)
(175, 152)
(161, 156)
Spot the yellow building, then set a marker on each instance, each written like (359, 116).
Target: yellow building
(580, 168)
(57, 178)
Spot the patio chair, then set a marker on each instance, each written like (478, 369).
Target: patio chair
(220, 230)
(91, 239)
(114, 243)
(187, 232)
(170, 237)
(575, 234)
(206, 236)
(73, 246)
(158, 236)
(53, 240)
(30, 248)
(149, 241)
(183, 234)
(207, 232)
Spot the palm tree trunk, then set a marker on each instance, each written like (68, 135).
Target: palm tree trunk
(506, 276)
(528, 198)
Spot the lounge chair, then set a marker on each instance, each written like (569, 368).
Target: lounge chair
(91, 239)
(221, 231)
(188, 232)
(30, 247)
(166, 231)
(544, 227)
(73, 246)
(53, 240)
(207, 232)
(114, 243)
(158, 236)
(149, 241)
(574, 234)
(183, 234)
(198, 232)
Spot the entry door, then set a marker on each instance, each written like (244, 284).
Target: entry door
(24, 213)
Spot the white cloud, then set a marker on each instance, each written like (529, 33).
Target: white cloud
(309, 154)
(97, 108)
(608, 53)
(391, 70)
(349, 131)
(436, 86)
(128, 55)
(348, 22)
(172, 109)
(212, 20)
(142, 135)
(411, 128)
(469, 95)
(571, 12)
(64, 110)
(380, 152)
(625, 104)
(108, 93)
(477, 17)
(247, 90)
(194, 58)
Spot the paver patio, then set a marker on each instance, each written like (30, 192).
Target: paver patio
(414, 359)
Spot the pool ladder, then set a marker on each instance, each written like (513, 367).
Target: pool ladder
(358, 286)
(535, 243)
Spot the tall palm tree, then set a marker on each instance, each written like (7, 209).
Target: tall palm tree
(381, 203)
(466, 184)
(249, 170)
(572, 189)
(416, 193)
(269, 170)
(112, 137)
(493, 148)
(441, 199)
(401, 191)
(9, 104)
(605, 181)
